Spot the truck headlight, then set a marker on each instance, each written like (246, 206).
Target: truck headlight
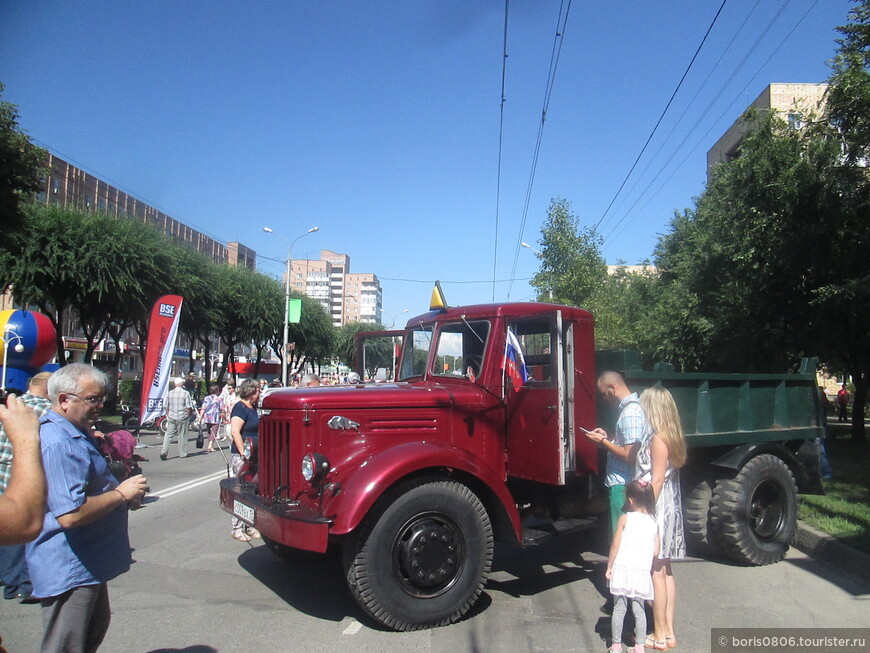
(314, 467)
(250, 449)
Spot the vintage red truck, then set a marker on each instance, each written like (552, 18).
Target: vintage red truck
(414, 480)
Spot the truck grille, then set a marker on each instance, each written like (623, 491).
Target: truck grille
(274, 458)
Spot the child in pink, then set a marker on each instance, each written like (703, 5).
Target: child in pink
(629, 565)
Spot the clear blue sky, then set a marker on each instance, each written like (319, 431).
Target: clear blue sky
(379, 121)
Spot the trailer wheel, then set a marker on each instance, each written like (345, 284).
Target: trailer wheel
(422, 556)
(754, 514)
(700, 536)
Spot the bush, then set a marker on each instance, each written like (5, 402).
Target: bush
(129, 391)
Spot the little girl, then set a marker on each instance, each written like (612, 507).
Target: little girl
(629, 565)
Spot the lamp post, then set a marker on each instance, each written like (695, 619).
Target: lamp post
(540, 255)
(8, 336)
(287, 298)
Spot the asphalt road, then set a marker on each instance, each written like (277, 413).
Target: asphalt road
(194, 589)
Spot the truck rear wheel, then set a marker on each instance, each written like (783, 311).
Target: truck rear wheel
(700, 536)
(754, 514)
(422, 555)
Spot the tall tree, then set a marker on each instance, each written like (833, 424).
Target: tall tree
(21, 166)
(572, 268)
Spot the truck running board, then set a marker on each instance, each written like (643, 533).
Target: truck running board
(542, 533)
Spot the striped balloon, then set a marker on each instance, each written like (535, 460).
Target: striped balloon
(36, 334)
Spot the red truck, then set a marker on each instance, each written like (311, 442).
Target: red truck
(414, 480)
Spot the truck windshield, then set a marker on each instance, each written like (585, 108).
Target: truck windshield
(460, 349)
(416, 352)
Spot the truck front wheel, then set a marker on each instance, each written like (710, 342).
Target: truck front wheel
(754, 514)
(422, 555)
(700, 537)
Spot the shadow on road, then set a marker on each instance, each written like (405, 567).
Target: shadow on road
(312, 584)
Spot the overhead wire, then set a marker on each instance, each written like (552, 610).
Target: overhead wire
(661, 117)
(500, 144)
(561, 26)
(737, 96)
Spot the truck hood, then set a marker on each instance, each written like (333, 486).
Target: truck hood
(369, 396)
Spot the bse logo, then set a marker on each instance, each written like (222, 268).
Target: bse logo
(155, 403)
(167, 310)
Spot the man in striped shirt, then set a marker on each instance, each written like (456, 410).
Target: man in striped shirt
(631, 429)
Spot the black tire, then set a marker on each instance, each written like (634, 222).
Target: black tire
(131, 423)
(754, 514)
(422, 556)
(697, 520)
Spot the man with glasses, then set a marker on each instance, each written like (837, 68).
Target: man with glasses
(84, 541)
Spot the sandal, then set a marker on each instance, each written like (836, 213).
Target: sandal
(657, 644)
(254, 533)
(671, 641)
(241, 536)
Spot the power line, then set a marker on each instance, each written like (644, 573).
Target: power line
(661, 117)
(561, 25)
(707, 110)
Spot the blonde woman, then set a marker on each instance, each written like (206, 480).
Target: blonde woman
(659, 459)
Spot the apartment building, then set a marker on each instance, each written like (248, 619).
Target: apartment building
(346, 296)
(793, 102)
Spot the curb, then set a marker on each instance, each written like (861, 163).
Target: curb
(831, 551)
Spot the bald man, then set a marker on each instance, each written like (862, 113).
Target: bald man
(631, 429)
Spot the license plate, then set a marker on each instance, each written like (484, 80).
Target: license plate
(243, 512)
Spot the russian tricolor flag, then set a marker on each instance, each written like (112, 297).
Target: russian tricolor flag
(514, 362)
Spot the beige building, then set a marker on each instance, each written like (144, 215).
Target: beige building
(346, 296)
(793, 102)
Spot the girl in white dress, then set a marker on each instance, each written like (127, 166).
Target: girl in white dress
(629, 565)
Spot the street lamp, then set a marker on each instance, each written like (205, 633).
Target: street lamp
(538, 252)
(540, 255)
(8, 336)
(287, 297)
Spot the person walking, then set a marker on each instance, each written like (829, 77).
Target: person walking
(210, 414)
(179, 408)
(631, 428)
(842, 404)
(659, 459)
(629, 564)
(229, 398)
(84, 542)
(244, 423)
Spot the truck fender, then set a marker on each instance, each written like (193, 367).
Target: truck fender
(363, 487)
(804, 464)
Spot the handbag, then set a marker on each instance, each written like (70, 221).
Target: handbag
(199, 439)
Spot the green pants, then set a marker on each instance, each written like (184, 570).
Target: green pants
(617, 500)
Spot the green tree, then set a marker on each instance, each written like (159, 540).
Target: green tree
(572, 268)
(22, 166)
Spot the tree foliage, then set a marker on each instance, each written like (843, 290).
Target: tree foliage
(21, 166)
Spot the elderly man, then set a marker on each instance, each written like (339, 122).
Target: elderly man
(83, 543)
(13, 566)
(179, 408)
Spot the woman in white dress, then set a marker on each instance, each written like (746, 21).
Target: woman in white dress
(659, 459)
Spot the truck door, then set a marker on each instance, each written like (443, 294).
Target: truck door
(538, 413)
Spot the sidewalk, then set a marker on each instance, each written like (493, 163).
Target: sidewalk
(832, 552)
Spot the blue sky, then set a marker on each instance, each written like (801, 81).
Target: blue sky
(378, 121)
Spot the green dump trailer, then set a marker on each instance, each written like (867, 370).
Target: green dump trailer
(753, 446)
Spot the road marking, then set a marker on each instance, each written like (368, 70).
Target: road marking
(353, 629)
(188, 485)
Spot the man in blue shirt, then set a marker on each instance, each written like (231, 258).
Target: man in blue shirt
(631, 429)
(83, 543)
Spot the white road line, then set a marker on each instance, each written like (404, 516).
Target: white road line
(188, 485)
(353, 629)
